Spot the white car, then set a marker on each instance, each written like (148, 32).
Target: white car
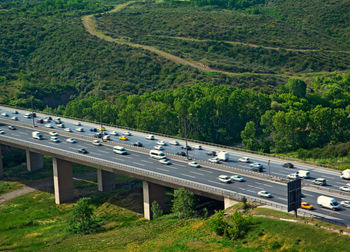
(224, 179)
(5, 114)
(150, 137)
(345, 203)
(214, 160)
(78, 124)
(158, 147)
(71, 140)
(161, 142)
(15, 118)
(165, 161)
(174, 142)
(345, 188)
(49, 125)
(53, 133)
(80, 129)
(114, 133)
(348, 184)
(265, 194)
(60, 125)
(244, 159)
(96, 142)
(119, 150)
(194, 164)
(198, 147)
(127, 133)
(68, 129)
(293, 176)
(237, 178)
(2, 132)
(55, 139)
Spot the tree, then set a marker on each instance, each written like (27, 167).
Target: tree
(184, 203)
(82, 219)
(248, 135)
(238, 225)
(217, 223)
(296, 87)
(156, 210)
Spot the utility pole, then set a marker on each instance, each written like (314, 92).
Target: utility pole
(186, 137)
(268, 163)
(32, 111)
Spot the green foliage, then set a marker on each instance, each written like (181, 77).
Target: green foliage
(245, 203)
(217, 223)
(184, 203)
(156, 210)
(82, 219)
(296, 87)
(249, 137)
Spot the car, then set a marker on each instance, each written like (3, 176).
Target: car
(161, 142)
(80, 129)
(40, 120)
(15, 112)
(150, 137)
(211, 153)
(256, 165)
(98, 135)
(194, 164)
(47, 119)
(306, 205)
(101, 129)
(96, 142)
(158, 147)
(114, 133)
(302, 195)
(71, 140)
(55, 139)
(124, 138)
(53, 133)
(68, 129)
(225, 179)
(214, 160)
(237, 178)
(15, 118)
(11, 127)
(265, 194)
(244, 159)
(345, 203)
(93, 129)
(288, 165)
(181, 153)
(2, 132)
(293, 176)
(348, 184)
(174, 143)
(119, 150)
(61, 125)
(198, 147)
(28, 115)
(164, 161)
(345, 188)
(5, 114)
(138, 144)
(83, 151)
(77, 124)
(319, 181)
(127, 133)
(49, 125)
(186, 147)
(57, 120)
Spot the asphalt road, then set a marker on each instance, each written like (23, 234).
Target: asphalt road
(205, 175)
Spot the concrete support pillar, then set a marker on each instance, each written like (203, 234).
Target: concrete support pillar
(106, 180)
(229, 202)
(1, 165)
(63, 180)
(152, 192)
(35, 161)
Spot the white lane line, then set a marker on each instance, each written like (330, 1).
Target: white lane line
(161, 169)
(280, 198)
(215, 182)
(207, 171)
(267, 185)
(187, 175)
(103, 151)
(138, 163)
(196, 173)
(147, 161)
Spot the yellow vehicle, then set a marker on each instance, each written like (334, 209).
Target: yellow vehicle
(306, 205)
(124, 138)
(101, 129)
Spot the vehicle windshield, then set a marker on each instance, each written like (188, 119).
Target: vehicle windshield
(334, 203)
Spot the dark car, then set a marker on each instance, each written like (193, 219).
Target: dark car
(257, 169)
(138, 144)
(186, 147)
(40, 121)
(181, 153)
(211, 153)
(93, 130)
(11, 127)
(98, 135)
(288, 165)
(82, 150)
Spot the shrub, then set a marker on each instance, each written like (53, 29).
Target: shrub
(217, 223)
(184, 203)
(156, 210)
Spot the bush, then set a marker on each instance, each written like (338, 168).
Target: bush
(156, 210)
(184, 203)
(82, 220)
(217, 223)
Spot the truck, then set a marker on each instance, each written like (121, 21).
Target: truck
(345, 174)
(304, 174)
(328, 202)
(223, 156)
(37, 135)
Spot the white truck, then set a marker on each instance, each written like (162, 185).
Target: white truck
(328, 202)
(345, 174)
(304, 174)
(223, 156)
(37, 135)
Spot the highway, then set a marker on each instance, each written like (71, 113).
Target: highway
(179, 168)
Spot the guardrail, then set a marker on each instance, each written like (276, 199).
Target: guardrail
(175, 137)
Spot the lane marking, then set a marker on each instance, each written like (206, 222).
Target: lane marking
(187, 175)
(161, 169)
(207, 171)
(196, 173)
(138, 163)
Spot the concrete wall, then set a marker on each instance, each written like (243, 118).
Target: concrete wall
(229, 202)
(63, 180)
(35, 161)
(152, 192)
(106, 180)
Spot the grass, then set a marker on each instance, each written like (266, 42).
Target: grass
(9, 186)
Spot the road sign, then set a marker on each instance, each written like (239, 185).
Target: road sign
(294, 193)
